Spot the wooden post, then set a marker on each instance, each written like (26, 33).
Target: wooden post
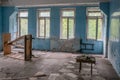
(6, 47)
(28, 47)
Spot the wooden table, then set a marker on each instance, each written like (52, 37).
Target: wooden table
(85, 59)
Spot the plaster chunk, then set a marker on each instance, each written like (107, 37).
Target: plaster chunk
(33, 78)
(66, 64)
(73, 62)
(53, 76)
(72, 75)
(39, 74)
(65, 71)
(70, 67)
(98, 78)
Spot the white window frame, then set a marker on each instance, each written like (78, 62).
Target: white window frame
(95, 18)
(38, 24)
(67, 9)
(18, 18)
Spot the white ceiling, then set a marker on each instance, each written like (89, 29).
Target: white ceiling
(52, 2)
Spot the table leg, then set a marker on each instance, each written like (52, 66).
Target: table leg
(91, 69)
(80, 67)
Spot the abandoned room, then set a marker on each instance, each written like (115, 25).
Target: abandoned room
(59, 39)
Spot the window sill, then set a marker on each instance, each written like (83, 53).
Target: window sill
(42, 38)
(68, 39)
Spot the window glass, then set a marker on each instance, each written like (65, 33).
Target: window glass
(42, 27)
(71, 28)
(23, 14)
(43, 23)
(67, 24)
(68, 13)
(64, 28)
(92, 29)
(94, 24)
(23, 22)
(99, 29)
(44, 14)
(94, 14)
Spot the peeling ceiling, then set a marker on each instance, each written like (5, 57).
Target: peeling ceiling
(50, 2)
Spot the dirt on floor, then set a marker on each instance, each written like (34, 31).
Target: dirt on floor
(54, 66)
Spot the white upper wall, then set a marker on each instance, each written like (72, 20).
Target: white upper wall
(52, 2)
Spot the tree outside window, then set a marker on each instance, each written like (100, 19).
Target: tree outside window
(67, 24)
(23, 22)
(43, 30)
(94, 24)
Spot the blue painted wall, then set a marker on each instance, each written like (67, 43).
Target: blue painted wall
(6, 13)
(39, 44)
(45, 44)
(80, 28)
(0, 28)
(114, 38)
(105, 7)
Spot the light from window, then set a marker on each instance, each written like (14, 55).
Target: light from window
(23, 22)
(43, 23)
(94, 24)
(67, 24)
(92, 29)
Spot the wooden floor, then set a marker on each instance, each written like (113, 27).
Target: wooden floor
(55, 66)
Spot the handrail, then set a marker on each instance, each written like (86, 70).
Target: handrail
(16, 40)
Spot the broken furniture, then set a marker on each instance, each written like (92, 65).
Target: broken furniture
(85, 59)
(86, 46)
(7, 45)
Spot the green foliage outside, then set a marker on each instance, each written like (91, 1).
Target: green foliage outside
(71, 28)
(67, 24)
(23, 26)
(93, 27)
(44, 28)
(41, 28)
(64, 28)
(114, 28)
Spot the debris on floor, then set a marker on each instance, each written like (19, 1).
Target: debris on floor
(51, 66)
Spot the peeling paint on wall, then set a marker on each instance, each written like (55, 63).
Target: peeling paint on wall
(114, 38)
(71, 45)
(0, 29)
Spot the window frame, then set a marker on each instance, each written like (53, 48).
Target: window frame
(68, 18)
(18, 20)
(38, 23)
(96, 18)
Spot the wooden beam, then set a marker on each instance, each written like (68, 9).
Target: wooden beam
(22, 37)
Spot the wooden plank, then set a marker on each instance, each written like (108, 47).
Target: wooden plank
(6, 47)
(16, 56)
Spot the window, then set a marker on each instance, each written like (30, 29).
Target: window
(94, 24)
(43, 30)
(22, 22)
(67, 23)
